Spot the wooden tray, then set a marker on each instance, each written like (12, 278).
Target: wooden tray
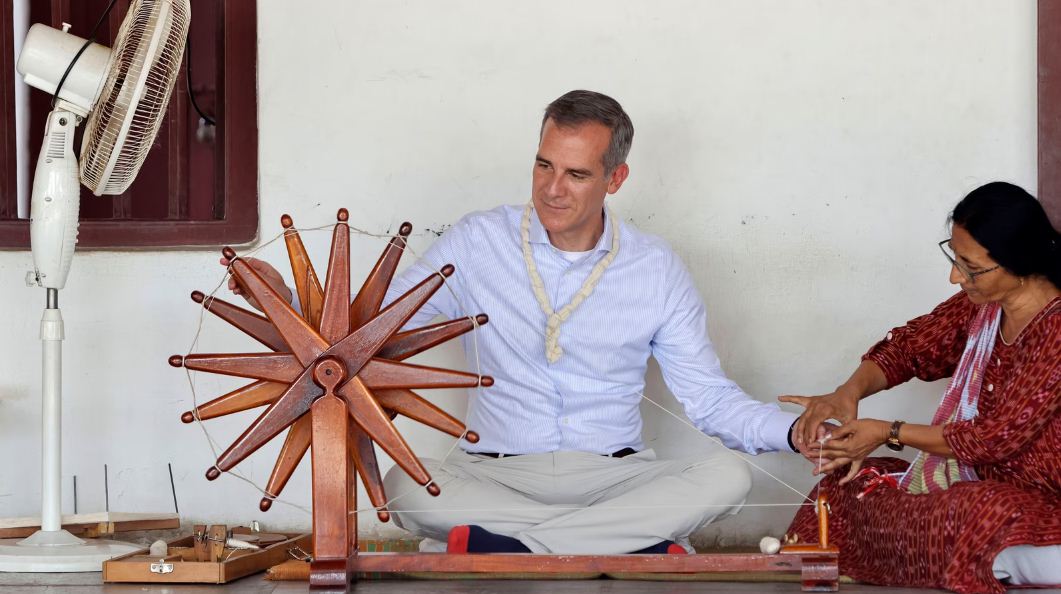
(180, 565)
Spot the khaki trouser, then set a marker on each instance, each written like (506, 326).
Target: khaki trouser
(573, 502)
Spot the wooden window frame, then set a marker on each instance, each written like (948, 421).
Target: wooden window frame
(1049, 91)
(236, 140)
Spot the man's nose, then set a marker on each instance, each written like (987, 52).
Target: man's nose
(556, 185)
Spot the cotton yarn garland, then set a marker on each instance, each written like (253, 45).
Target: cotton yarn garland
(555, 318)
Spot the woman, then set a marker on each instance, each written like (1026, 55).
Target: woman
(987, 479)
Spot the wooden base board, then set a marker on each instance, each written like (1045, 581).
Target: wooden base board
(184, 567)
(92, 525)
(816, 570)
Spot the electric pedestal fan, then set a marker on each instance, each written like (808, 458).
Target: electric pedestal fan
(123, 94)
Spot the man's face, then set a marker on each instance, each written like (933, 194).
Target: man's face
(570, 184)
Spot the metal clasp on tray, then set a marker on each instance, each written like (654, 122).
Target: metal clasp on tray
(161, 567)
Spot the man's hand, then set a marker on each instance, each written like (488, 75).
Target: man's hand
(812, 451)
(841, 406)
(267, 272)
(851, 443)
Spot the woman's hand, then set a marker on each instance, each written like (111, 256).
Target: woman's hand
(839, 405)
(851, 443)
(268, 274)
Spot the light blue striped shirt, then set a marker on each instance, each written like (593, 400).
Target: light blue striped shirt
(645, 304)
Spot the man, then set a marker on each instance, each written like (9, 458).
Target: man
(578, 300)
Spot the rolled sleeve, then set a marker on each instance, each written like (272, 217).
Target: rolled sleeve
(927, 347)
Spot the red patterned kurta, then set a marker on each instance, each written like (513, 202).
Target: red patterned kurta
(950, 539)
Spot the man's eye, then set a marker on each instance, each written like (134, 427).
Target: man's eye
(542, 165)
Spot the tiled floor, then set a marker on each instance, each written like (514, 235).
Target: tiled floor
(91, 583)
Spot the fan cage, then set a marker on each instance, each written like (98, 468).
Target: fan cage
(126, 119)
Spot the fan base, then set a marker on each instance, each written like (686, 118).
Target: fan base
(58, 551)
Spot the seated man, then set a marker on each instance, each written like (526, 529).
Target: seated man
(578, 300)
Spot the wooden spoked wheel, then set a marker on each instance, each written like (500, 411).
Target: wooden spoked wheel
(334, 377)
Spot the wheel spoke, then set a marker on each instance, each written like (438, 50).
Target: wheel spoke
(245, 398)
(303, 339)
(277, 367)
(371, 418)
(291, 405)
(406, 344)
(310, 294)
(256, 326)
(364, 455)
(335, 315)
(409, 404)
(381, 374)
(356, 349)
(295, 445)
(370, 297)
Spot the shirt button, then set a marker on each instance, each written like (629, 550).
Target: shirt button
(990, 387)
(888, 336)
(998, 361)
(565, 421)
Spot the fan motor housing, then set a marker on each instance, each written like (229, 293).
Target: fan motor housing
(47, 53)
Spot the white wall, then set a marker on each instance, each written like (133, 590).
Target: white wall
(800, 156)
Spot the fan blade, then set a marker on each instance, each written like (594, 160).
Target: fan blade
(291, 405)
(371, 295)
(335, 314)
(357, 348)
(381, 374)
(406, 344)
(310, 295)
(245, 398)
(304, 340)
(364, 455)
(409, 404)
(295, 445)
(254, 325)
(371, 418)
(277, 367)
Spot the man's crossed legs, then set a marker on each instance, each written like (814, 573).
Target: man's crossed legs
(573, 502)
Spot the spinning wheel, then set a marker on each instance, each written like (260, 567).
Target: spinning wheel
(335, 380)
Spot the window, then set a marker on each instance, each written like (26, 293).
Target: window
(1050, 109)
(199, 183)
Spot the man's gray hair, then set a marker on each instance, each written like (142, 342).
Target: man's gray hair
(575, 108)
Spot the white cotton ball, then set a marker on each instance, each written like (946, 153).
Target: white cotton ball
(159, 549)
(769, 545)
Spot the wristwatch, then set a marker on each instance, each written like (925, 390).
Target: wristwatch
(893, 442)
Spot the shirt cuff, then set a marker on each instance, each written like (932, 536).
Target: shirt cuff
(774, 432)
(294, 301)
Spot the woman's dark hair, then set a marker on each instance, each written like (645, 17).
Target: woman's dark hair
(1012, 225)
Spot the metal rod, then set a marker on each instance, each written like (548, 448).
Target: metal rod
(173, 488)
(75, 494)
(51, 415)
(106, 491)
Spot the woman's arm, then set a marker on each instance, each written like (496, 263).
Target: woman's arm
(852, 442)
(841, 404)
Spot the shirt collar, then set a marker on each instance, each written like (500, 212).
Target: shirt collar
(537, 233)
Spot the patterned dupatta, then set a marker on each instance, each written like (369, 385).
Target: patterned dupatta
(931, 473)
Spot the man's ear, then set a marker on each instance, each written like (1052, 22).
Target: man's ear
(618, 176)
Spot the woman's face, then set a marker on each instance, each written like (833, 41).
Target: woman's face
(982, 279)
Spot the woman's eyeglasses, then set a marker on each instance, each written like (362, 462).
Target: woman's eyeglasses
(944, 246)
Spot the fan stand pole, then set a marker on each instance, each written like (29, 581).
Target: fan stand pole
(334, 489)
(52, 549)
